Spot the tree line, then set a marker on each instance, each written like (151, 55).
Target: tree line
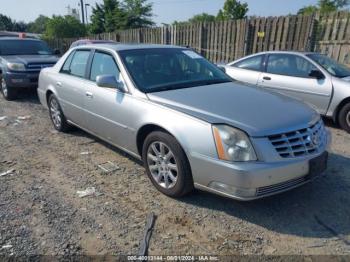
(112, 15)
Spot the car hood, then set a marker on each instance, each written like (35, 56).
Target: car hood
(28, 59)
(256, 111)
(346, 79)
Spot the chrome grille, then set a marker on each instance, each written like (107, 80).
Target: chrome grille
(302, 142)
(38, 66)
(262, 191)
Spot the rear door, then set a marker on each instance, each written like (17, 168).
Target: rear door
(290, 74)
(71, 85)
(247, 70)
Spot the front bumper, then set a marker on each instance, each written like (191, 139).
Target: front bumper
(251, 180)
(22, 79)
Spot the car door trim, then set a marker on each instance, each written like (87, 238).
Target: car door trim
(297, 90)
(137, 156)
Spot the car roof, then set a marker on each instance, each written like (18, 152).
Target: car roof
(286, 52)
(94, 41)
(121, 47)
(19, 39)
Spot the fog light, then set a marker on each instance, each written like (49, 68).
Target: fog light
(16, 81)
(233, 191)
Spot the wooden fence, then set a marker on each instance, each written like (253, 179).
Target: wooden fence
(333, 37)
(229, 40)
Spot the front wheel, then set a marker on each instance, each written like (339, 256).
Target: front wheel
(9, 93)
(167, 165)
(344, 118)
(57, 117)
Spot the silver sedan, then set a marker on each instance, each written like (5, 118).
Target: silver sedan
(189, 123)
(310, 77)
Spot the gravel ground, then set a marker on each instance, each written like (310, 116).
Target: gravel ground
(41, 213)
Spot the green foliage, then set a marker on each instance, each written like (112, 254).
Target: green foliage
(64, 27)
(232, 10)
(308, 10)
(6, 23)
(324, 7)
(138, 13)
(39, 25)
(204, 17)
(113, 15)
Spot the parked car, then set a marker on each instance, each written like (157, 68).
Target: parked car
(185, 118)
(21, 60)
(90, 42)
(311, 77)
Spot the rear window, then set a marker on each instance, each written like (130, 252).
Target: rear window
(24, 47)
(252, 63)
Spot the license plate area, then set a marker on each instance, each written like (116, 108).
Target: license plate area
(318, 165)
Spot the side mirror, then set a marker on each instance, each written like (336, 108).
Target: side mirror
(57, 52)
(110, 81)
(317, 74)
(221, 67)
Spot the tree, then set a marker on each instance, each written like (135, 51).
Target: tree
(19, 26)
(113, 15)
(138, 13)
(6, 23)
(97, 25)
(107, 17)
(233, 9)
(64, 27)
(308, 10)
(39, 25)
(204, 17)
(324, 7)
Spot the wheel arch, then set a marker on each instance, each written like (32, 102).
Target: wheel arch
(146, 129)
(344, 102)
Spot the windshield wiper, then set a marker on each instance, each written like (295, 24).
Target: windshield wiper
(188, 85)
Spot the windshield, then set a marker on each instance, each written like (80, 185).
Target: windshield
(160, 69)
(330, 65)
(24, 47)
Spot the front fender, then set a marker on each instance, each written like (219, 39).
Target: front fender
(195, 136)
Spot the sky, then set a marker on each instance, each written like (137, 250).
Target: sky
(165, 11)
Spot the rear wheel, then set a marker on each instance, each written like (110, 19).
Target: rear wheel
(9, 93)
(167, 165)
(344, 118)
(57, 117)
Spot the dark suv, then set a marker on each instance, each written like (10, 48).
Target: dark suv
(21, 60)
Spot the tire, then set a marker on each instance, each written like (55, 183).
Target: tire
(344, 118)
(9, 93)
(57, 117)
(167, 165)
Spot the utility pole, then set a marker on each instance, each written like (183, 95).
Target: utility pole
(86, 13)
(82, 11)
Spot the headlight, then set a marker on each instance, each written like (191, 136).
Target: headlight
(16, 66)
(233, 144)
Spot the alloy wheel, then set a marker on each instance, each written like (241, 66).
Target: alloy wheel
(55, 113)
(162, 164)
(348, 118)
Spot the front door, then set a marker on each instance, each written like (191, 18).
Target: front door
(107, 107)
(289, 74)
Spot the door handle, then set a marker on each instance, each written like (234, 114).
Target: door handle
(267, 78)
(59, 84)
(89, 94)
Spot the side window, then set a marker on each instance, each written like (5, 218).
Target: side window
(289, 65)
(66, 66)
(252, 63)
(103, 64)
(77, 65)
